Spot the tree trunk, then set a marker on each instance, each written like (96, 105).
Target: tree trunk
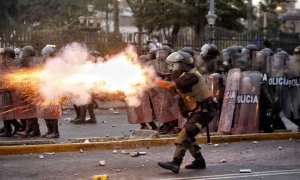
(175, 32)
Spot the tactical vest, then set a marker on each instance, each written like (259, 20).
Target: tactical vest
(200, 92)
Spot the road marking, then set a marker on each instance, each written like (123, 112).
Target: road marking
(240, 175)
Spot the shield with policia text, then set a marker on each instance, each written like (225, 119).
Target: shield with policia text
(229, 101)
(246, 117)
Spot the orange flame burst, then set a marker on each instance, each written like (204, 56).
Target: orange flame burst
(71, 77)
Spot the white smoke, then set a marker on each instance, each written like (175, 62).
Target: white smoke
(69, 75)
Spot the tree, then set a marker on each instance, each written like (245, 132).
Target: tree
(174, 14)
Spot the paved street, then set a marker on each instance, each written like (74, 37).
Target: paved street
(109, 124)
(265, 159)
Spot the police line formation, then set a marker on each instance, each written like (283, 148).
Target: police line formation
(234, 91)
(261, 87)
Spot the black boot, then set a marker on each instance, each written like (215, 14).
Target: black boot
(144, 126)
(36, 128)
(2, 129)
(23, 125)
(17, 125)
(77, 111)
(153, 125)
(7, 129)
(55, 132)
(92, 119)
(28, 128)
(81, 119)
(49, 128)
(198, 163)
(172, 165)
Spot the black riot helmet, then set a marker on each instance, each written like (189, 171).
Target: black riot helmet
(209, 51)
(188, 50)
(152, 48)
(9, 53)
(251, 47)
(297, 51)
(180, 62)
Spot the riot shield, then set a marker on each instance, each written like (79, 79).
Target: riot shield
(246, 118)
(49, 112)
(142, 113)
(165, 104)
(159, 63)
(24, 108)
(229, 101)
(294, 67)
(262, 63)
(6, 106)
(215, 84)
(277, 64)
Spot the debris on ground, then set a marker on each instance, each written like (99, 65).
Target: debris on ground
(115, 151)
(223, 161)
(41, 156)
(245, 170)
(81, 151)
(102, 163)
(216, 145)
(279, 148)
(50, 153)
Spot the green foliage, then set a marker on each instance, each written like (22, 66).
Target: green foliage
(269, 6)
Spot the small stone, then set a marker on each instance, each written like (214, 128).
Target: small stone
(291, 139)
(50, 153)
(143, 165)
(107, 135)
(76, 174)
(41, 156)
(216, 145)
(81, 151)
(115, 112)
(87, 141)
(226, 143)
(113, 125)
(125, 168)
(104, 122)
(255, 142)
(102, 163)
(134, 154)
(130, 130)
(124, 152)
(115, 151)
(279, 148)
(210, 143)
(223, 161)
(111, 109)
(118, 170)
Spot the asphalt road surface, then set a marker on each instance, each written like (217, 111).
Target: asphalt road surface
(274, 160)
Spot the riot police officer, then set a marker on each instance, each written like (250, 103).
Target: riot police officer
(195, 104)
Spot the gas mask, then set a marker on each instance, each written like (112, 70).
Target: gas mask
(176, 69)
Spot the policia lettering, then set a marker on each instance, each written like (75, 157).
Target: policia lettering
(242, 98)
(281, 81)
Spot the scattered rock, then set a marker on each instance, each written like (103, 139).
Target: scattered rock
(255, 142)
(113, 126)
(81, 151)
(124, 152)
(115, 151)
(210, 143)
(134, 154)
(116, 112)
(111, 109)
(104, 122)
(216, 145)
(279, 148)
(118, 170)
(76, 174)
(245, 170)
(223, 161)
(102, 163)
(50, 153)
(291, 139)
(41, 156)
(87, 141)
(143, 165)
(226, 143)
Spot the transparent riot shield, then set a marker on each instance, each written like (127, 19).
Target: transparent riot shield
(165, 104)
(6, 106)
(246, 117)
(215, 84)
(141, 113)
(229, 101)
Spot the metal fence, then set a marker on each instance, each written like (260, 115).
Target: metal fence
(113, 43)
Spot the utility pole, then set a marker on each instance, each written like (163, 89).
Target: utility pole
(116, 16)
(249, 16)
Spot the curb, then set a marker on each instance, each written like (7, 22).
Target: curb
(137, 143)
